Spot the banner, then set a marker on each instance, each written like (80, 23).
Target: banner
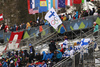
(14, 40)
(53, 18)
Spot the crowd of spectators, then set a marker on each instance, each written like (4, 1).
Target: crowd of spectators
(64, 17)
(22, 58)
(76, 15)
(28, 25)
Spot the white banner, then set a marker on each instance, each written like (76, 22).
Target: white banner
(53, 18)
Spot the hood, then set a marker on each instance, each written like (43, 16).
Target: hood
(76, 12)
(43, 52)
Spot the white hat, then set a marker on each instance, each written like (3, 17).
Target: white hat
(11, 61)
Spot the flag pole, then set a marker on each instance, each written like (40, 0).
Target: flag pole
(42, 15)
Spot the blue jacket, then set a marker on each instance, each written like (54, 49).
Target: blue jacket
(44, 55)
(76, 16)
(47, 56)
(59, 55)
(51, 55)
(4, 64)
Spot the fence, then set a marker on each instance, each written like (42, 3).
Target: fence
(76, 24)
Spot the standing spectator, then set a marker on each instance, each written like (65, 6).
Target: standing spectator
(3, 26)
(90, 12)
(52, 46)
(44, 55)
(76, 15)
(96, 27)
(65, 43)
(98, 10)
(93, 11)
(67, 16)
(31, 52)
(28, 26)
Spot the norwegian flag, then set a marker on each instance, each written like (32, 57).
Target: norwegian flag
(1, 17)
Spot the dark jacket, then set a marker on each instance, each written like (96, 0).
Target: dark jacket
(99, 11)
(52, 46)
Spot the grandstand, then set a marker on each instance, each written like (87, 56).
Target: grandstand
(77, 34)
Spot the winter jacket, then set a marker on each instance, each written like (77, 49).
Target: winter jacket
(52, 46)
(4, 64)
(51, 55)
(59, 55)
(47, 56)
(76, 16)
(44, 55)
(96, 28)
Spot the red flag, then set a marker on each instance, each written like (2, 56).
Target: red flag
(14, 40)
(77, 1)
(68, 2)
(1, 17)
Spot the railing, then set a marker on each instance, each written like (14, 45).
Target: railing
(64, 63)
(75, 24)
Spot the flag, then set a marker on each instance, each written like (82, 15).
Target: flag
(26, 35)
(43, 6)
(77, 1)
(68, 2)
(82, 1)
(62, 29)
(49, 4)
(1, 17)
(32, 8)
(55, 4)
(14, 40)
(43, 3)
(61, 3)
(53, 18)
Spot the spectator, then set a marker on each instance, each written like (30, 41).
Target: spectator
(67, 16)
(44, 55)
(31, 52)
(76, 15)
(17, 60)
(52, 46)
(4, 63)
(93, 11)
(28, 26)
(38, 57)
(11, 64)
(58, 56)
(96, 27)
(65, 43)
(90, 12)
(98, 10)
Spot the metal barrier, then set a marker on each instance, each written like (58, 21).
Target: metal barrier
(87, 22)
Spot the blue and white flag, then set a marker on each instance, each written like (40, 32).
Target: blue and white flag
(53, 18)
(49, 4)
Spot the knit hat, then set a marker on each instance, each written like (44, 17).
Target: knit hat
(30, 44)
